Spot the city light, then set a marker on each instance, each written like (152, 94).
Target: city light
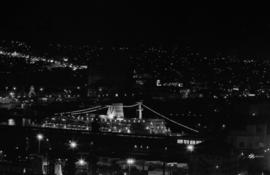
(11, 122)
(190, 148)
(207, 84)
(73, 144)
(81, 162)
(40, 137)
(130, 161)
(34, 59)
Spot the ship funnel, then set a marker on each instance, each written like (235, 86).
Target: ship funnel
(140, 109)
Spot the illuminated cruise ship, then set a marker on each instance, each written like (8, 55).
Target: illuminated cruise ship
(114, 121)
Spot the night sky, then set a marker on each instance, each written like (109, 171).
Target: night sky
(224, 27)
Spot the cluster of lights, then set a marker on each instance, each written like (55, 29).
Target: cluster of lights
(267, 150)
(219, 65)
(141, 146)
(34, 59)
(168, 84)
(82, 162)
(188, 114)
(130, 161)
(188, 142)
(12, 96)
(73, 145)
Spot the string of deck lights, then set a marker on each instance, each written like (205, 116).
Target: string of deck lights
(162, 116)
(85, 109)
(85, 112)
(94, 109)
(81, 110)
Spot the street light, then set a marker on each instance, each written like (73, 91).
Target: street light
(40, 137)
(73, 144)
(190, 148)
(81, 162)
(130, 162)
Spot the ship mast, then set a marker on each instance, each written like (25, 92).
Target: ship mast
(140, 109)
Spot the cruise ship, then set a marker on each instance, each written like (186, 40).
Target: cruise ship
(111, 119)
